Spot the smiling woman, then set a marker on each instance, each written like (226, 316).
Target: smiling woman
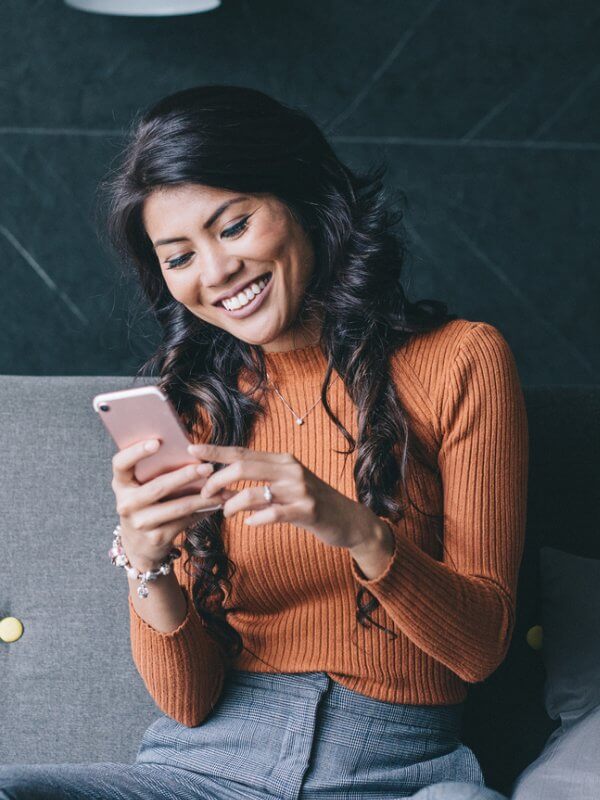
(322, 646)
(231, 257)
(220, 188)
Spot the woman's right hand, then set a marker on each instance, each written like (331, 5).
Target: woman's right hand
(149, 528)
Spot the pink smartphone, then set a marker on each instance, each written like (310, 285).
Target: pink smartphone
(133, 415)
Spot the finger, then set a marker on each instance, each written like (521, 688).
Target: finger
(241, 470)
(226, 454)
(171, 510)
(294, 512)
(259, 519)
(161, 486)
(275, 512)
(125, 460)
(245, 500)
(226, 494)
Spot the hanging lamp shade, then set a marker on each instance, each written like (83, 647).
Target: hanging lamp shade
(145, 8)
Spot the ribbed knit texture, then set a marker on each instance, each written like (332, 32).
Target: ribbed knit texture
(453, 611)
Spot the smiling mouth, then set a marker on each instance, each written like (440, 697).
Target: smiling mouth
(246, 295)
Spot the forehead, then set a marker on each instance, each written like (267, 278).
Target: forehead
(181, 203)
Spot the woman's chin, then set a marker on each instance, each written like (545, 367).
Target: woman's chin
(259, 336)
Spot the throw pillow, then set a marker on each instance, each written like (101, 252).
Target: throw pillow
(570, 600)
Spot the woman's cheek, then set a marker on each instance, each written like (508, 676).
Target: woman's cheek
(181, 292)
(268, 241)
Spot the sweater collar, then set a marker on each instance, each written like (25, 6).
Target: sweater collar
(299, 366)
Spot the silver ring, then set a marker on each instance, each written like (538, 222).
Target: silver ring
(267, 493)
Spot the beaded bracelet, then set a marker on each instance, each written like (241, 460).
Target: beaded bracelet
(119, 559)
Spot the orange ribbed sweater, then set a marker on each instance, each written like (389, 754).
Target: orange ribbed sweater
(453, 611)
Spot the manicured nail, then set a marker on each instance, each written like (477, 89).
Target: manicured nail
(151, 445)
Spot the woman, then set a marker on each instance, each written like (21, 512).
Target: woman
(320, 645)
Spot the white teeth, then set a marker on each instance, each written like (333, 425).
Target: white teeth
(243, 298)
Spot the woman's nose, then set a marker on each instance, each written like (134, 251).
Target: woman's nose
(217, 270)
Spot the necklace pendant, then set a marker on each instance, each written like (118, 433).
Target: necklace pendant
(299, 421)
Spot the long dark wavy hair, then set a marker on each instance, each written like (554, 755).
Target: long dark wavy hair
(240, 139)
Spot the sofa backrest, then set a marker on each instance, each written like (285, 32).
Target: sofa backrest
(69, 690)
(505, 720)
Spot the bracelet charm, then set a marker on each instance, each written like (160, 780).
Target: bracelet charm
(119, 558)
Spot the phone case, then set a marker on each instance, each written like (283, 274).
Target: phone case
(133, 415)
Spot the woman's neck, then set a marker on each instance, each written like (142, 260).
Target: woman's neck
(304, 334)
(303, 366)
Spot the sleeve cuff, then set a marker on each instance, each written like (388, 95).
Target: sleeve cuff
(391, 564)
(183, 669)
(180, 630)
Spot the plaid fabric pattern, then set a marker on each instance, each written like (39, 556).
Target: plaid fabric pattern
(290, 736)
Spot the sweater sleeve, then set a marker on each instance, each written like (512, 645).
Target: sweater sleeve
(461, 610)
(184, 669)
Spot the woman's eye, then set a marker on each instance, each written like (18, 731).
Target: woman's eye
(237, 228)
(229, 233)
(177, 262)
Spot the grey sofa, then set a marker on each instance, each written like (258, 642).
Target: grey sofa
(69, 691)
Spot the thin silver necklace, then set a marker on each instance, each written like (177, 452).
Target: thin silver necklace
(298, 419)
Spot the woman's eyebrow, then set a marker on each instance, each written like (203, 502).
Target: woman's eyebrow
(213, 218)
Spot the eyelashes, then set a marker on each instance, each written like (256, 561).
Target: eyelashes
(177, 262)
(239, 227)
(229, 233)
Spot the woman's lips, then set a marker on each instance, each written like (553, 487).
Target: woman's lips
(253, 305)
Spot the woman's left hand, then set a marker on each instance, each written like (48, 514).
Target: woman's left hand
(299, 496)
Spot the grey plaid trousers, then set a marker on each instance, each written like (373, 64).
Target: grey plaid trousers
(290, 736)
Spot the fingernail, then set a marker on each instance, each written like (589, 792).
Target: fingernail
(151, 445)
(203, 469)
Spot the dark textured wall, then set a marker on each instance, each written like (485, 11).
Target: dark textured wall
(487, 113)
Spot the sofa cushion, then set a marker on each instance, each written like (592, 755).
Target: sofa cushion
(568, 767)
(570, 592)
(69, 691)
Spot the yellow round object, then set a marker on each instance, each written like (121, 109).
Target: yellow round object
(535, 637)
(11, 629)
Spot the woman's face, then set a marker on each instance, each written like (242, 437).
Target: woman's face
(214, 243)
